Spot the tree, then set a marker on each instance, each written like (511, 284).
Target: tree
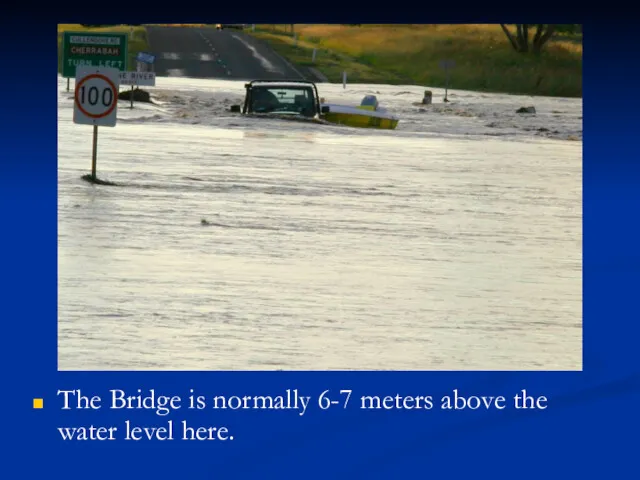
(520, 42)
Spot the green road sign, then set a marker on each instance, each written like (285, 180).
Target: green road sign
(90, 49)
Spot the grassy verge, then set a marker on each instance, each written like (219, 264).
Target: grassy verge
(330, 62)
(137, 42)
(180, 24)
(411, 54)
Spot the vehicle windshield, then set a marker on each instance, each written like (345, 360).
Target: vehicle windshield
(290, 99)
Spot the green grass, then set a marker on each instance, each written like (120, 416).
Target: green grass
(331, 63)
(410, 54)
(136, 44)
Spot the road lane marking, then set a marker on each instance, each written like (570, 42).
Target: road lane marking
(204, 57)
(266, 64)
(175, 72)
(171, 56)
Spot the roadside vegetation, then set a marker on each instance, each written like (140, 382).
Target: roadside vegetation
(486, 58)
(137, 37)
(491, 58)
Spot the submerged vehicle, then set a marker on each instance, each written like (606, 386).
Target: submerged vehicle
(299, 100)
(292, 99)
(367, 115)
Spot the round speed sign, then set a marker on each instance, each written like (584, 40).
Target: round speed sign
(96, 96)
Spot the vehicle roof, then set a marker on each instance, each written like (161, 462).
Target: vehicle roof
(282, 83)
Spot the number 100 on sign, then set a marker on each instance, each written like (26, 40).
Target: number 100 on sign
(96, 96)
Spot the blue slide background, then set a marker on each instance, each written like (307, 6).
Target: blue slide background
(588, 431)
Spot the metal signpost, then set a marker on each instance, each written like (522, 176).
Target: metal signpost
(96, 102)
(143, 76)
(447, 65)
(83, 49)
(139, 78)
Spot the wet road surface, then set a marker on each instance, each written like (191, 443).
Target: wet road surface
(208, 53)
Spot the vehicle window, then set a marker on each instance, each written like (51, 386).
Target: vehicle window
(288, 99)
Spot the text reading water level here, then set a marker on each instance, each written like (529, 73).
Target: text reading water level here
(131, 432)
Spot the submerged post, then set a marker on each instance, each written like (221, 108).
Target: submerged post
(94, 157)
(446, 85)
(447, 65)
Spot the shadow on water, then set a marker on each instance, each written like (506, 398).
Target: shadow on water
(96, 181)
(195, 184)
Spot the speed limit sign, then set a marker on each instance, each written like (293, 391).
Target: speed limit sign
(96, 96)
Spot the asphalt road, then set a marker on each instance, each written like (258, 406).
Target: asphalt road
(210, 53)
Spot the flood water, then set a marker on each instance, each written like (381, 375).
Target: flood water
(453, 242)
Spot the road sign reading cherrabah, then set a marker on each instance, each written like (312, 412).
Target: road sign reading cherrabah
(142, 79)
(96, 96)
(83, 49)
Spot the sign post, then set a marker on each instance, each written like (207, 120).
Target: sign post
(96, 102)
(142, 75)
(137, 79)
(447, 65)
(88, 49)
(94, 154)
(140, 67)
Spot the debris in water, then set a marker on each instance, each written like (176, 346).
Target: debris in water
(138, 95)
(526, 110)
